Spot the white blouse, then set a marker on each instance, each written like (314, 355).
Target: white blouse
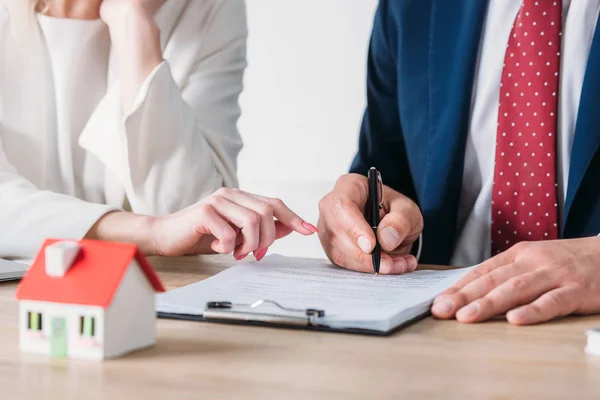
(68, 155)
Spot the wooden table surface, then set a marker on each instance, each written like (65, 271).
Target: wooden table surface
(429, 359)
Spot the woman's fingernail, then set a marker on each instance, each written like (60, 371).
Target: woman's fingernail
(260, 254)
(310, 227)
(443, 307)
(239, 258)
(390, 238)
(385, 267)
(364, 244)
(469, 311)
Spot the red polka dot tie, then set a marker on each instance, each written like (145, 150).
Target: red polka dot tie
(524, 199)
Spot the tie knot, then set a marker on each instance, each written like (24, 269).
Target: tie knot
(541, 6)
(539, 17)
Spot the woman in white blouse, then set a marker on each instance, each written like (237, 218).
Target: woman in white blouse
(117, 114)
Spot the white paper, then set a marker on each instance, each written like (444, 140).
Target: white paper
(350, 299)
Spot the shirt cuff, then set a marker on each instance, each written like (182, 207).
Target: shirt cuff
(84, 222)
(144, 88)
(106, 134)
(418, 248)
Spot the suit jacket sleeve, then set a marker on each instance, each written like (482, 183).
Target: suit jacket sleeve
(180, 142)
(381, 142)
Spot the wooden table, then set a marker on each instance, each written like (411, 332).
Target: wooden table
(200, 360)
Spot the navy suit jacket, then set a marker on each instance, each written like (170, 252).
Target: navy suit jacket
(421, 67)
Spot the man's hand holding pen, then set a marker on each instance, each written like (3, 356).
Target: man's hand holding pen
(347, 237)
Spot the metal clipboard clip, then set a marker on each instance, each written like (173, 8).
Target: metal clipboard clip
(228, 311)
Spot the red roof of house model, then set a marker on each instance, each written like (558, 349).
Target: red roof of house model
(93, 278)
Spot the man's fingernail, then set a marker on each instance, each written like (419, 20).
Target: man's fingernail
(443, 307)
(516, 316)
(469, 311)
(364, 244)
(390, 238)
(310, 227)
(400, 266)
(412, 264)
(385, 267)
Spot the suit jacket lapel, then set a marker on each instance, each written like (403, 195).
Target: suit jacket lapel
(455, 34)
(586, 141)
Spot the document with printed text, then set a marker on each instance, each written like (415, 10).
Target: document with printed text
(349, 299)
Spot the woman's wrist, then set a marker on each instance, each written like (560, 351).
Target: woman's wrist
(126, 227)
(136, 39)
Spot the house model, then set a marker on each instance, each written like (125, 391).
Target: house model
(87, 299)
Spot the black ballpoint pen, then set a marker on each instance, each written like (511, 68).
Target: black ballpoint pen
(374, 205)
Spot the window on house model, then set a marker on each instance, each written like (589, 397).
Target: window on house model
(34, 321)
(87, 326)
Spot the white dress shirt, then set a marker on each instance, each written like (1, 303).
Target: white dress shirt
(474, 220)
(68, 154)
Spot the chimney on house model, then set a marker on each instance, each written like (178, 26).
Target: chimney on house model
(60, 257)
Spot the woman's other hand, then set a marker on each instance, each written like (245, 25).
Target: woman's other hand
(110, 10)
(136, 40)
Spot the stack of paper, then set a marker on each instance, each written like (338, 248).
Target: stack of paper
(350, 299)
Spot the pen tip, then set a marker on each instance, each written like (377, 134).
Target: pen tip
(376, 273)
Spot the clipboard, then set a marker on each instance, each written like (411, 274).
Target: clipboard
(248, 314)
(308, 294)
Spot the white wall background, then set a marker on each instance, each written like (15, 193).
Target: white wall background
(303, 101)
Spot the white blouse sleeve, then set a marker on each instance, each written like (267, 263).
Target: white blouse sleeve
(28, 215)
(180, 143)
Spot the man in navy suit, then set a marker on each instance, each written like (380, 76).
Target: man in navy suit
(482, 118)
